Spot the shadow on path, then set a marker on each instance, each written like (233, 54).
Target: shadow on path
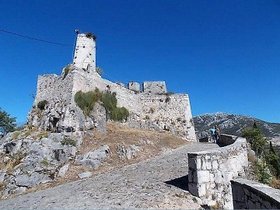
(181, 182)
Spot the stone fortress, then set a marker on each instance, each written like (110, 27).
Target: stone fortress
(150, 105)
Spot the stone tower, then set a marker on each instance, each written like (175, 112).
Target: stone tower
(85, 52)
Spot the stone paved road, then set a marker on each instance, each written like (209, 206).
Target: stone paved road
(142, 185)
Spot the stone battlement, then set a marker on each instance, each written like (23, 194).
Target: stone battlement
(153, 87)
(211, 171)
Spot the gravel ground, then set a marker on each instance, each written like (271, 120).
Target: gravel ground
(160, 182)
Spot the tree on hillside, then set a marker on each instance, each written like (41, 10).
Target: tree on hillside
(274, 160)
(7, 122)
(267, 165)
(255, 137)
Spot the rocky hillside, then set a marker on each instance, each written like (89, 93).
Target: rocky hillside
(31, 159)
(234, 124)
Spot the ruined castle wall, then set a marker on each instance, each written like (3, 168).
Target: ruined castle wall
(52, 87)
(210, 172)
(125, 97)
(169, 112)
(249, 194)
(155, 111)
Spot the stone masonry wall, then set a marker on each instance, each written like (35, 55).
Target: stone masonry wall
(149, 111)
(253, 195)
(53, 87)
(169, 112)
(210, 172)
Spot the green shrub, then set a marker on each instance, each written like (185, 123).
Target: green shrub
(45, 162)
(262, 172)
(119, 114)
(42, 104)
(86, 101)
(268, 164)
(7, 123)
(90, 35)
(68, 141)
(273, 160)
(255, 138)
(109, 101)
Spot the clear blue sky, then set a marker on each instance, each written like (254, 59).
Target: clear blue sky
(224, 54)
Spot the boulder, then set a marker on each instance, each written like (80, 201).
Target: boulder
(84, 175)
(9, 147)
(62, 171)
(25, 180)
(94, 158)
(127, 152)
(59, 155)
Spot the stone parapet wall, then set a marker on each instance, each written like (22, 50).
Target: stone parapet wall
(253, 195)
(210, 172)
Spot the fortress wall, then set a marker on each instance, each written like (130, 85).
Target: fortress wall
(53, 87)
(152, 111)
(125, 97)
(210, 172)
(249, 194)
(169, 112)
(149, 111)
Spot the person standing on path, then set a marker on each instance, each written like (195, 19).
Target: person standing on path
(213, 133)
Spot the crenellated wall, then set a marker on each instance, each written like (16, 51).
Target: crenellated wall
(249, 194)
(210, 172)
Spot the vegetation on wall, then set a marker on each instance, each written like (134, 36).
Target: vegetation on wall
(42, 104)
(68, 141)
(267, 165)
(66, 70)
(91, 36)
(86, 101)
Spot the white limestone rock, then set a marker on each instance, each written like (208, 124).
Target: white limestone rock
(35, 178)
(63, 170)
(127, 152)
(94, 158)
(85, 175)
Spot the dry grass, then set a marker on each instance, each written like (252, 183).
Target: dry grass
(275, 183)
